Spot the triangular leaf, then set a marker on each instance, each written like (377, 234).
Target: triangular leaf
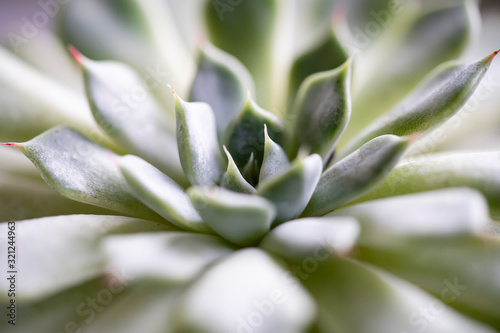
(275, 160)
(233, 179)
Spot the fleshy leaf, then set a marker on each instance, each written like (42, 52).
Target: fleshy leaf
(343, 289)
(83, 171)
(356, 174)
(240, 218)
(437, 213)
(197, 142)
(245, 135)
(462, 271)
(225, 296)
(251, 170)
(476, 170)
(126, 110)
(24, 198)
(418, 40)
(291, 190)
(321, 111)
(173, 257)
(72, 240)
(274, 161)
(440, 96)
(245, 30)
(312, 237)
(325, 56)
(160, 193)
(233, 179)
(221, 81)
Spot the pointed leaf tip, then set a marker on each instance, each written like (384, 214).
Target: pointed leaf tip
(493, 55)
(173, 91)
(77, 56)
(11, 144)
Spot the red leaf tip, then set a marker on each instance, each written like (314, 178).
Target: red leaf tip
(75, 54)
(15, 145)
(173, 91)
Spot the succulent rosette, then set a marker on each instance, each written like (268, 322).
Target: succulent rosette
(269, 170)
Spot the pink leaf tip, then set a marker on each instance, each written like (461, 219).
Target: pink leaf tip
(15, 145)
(412, 137)
(173, 91)
(75, 54)
(494, 54)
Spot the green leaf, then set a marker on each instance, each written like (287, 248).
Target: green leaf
(27, 198)
(326, 55)
(240, 218)
(62, 251)
(249, 281)
(318, 238)
(462, 271)
(221, 81)
(233, 179)
(356, 174)
(245, 135)
(440, 96)
(291, 190)
(171, 257)
(160, 193)
(197, 142)
(124, 107)
(476, 170)
(438, 213)
(27, 110)
(83, 171)
(418, 39)
(274, 161)
(245, 30)
(356, 298)
(321, 111)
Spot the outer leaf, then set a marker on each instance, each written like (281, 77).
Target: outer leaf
(356, 174)
(275, 160)
(418, 40)
(345, 290)
(125, 109)
(438, 98)
(26, 198)
(233, 179)
(326, 55)
(240, 218)
(67, 254)
(245, 30)
(462, 271)
(312, 237)
(161, 194)
(221, 81)
(81, 170)
(321, 111)
(246, 133)
(291, 190)
(173, 257)
(226, 296)
(476, 170)
(437, 213)
(197, 142)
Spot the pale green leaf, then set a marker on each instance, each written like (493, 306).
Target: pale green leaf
(480, 171)
(356, 298)
(63, 251)
(160, 193)
(440, 96)
(197, 142)
(356, 174)
(274, 161)
(240, 218)
(321, 111)
(225, 297)
(81, 170)
(318, 238)
(233, 179)
(291, 190)
(221, 81)
(124, 107)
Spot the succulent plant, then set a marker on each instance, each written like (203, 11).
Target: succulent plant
(250, 200)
